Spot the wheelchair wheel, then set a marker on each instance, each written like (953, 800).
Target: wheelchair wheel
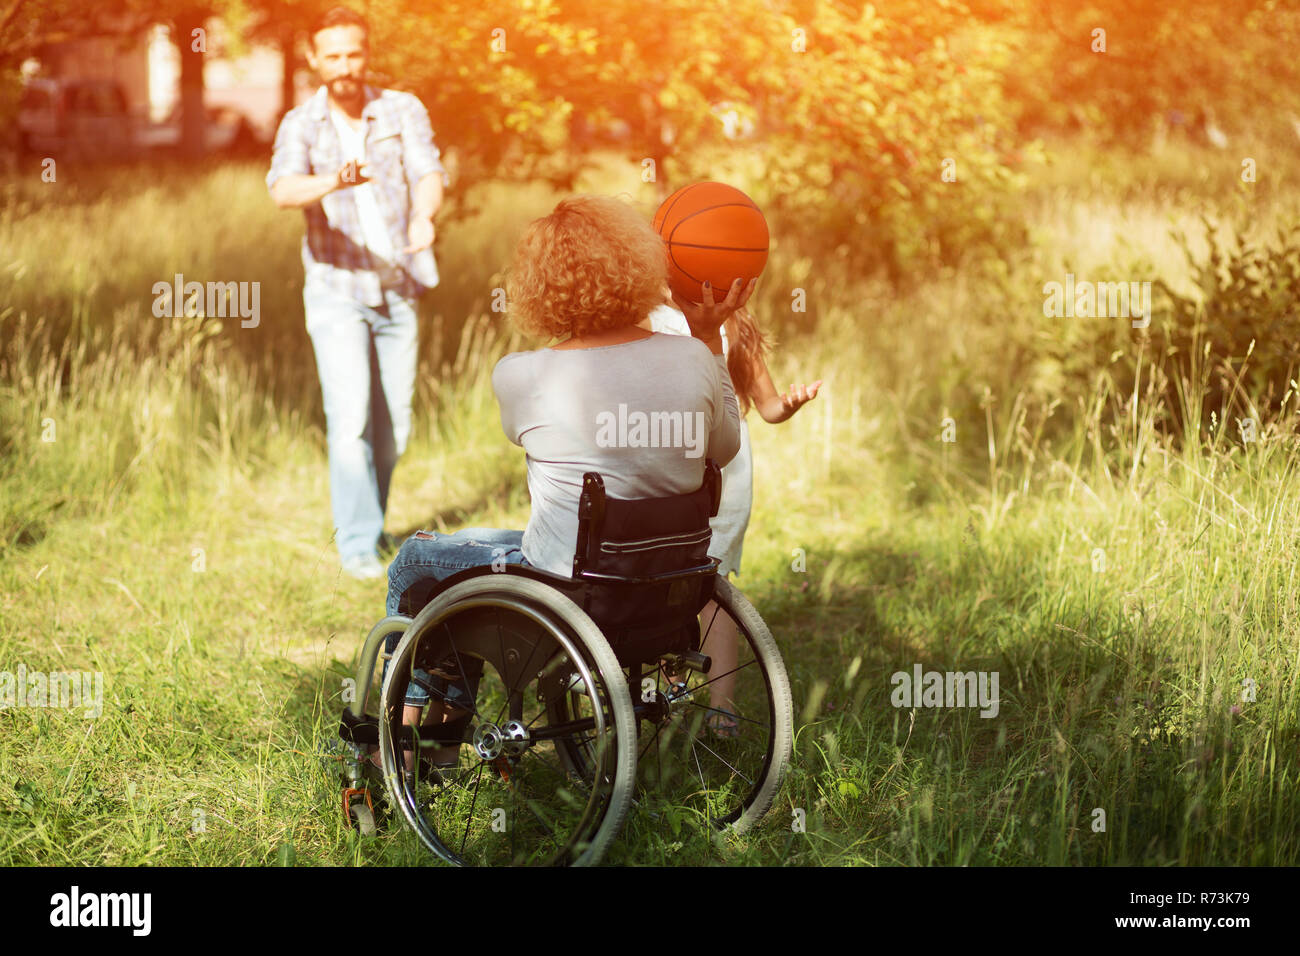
(508, 792)
(719, 743)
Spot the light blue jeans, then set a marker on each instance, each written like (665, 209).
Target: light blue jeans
(432, 554)
(366, 359)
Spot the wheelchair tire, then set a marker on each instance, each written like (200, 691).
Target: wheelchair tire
(730, 782)
(780, 699)
(558, 643)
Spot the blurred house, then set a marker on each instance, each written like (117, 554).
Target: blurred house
(114, 94)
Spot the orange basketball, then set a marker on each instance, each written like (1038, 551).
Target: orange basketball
(714, 232)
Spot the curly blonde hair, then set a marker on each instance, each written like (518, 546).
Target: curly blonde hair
(593, 264)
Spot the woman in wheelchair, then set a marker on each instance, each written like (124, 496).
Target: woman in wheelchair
(587, 275)
(579, 679)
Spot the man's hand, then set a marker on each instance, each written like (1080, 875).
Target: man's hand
(706, 318)
(421, 233)
(352, 174)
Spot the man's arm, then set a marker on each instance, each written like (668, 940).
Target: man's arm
(294, 191)
(420, 156)
(421, 159)
(428, 197)
(425, 205)
(291, 182)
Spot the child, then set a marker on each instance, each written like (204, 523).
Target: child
(744, 346)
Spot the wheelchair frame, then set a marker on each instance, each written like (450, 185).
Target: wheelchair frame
(523, 607)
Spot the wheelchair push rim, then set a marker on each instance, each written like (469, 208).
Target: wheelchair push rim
(512, 647)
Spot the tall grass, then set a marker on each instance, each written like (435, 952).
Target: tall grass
(164, 519)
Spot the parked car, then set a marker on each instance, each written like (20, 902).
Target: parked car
(222, 131)
(90, 119)
(81, 117)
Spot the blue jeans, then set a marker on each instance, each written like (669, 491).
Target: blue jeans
(366, 359)
(431, 554)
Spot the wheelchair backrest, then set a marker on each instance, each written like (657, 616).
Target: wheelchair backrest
(641, 566)
(644, 537)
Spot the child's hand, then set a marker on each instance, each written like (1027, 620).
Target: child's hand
(706, 318)
(798, 396)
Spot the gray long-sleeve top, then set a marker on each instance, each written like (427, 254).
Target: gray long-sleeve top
(644, 414)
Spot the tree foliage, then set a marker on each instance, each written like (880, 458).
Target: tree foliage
(888, 133)
(1233, 60)
(855, 107)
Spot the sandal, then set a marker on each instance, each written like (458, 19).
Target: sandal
(723, 723)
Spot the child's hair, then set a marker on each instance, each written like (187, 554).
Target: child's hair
(593, 264)
(744, 348)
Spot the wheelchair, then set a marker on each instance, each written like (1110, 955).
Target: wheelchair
(557, 703)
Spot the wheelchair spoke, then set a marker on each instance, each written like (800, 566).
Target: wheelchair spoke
(532, 808)
(552, 764)
(514, 815)
(460, 669)
(659, 751)
(505, 701)
(716, 677)
(454, 775)
(714, 768)
(699, 772)
(727, 713)
(704, 638)
(551, 804)
(650, 743)
(536, 717)
(699, 743)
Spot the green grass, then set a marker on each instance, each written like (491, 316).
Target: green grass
(175, 536)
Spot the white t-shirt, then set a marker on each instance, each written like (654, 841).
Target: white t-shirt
(671, 321)
(372, 220)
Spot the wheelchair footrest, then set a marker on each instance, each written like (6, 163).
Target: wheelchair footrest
(365, 730)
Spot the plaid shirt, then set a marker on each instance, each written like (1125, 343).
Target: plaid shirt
(400, 152)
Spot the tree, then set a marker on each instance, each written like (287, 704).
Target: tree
(1195, 57)
(27, 26)
(856, 106)
(188, 32)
